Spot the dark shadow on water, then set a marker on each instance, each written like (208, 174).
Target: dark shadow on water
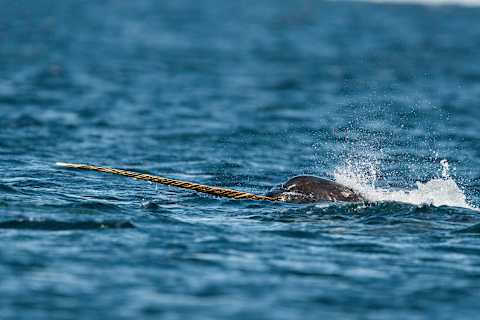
(55, 225)
(474, 230)
(7, 189)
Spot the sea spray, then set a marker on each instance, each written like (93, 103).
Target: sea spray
(439, 191)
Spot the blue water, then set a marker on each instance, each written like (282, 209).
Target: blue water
(239, 94)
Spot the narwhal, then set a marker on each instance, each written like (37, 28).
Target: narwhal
(299, 189)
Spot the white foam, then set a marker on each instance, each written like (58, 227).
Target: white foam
(441, 191)
(468, 3)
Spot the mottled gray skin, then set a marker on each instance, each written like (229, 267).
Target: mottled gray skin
(309, 189)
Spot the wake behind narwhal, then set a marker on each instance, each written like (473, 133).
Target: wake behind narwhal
(299, 189)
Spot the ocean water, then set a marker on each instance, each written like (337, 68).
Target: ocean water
(382, 97)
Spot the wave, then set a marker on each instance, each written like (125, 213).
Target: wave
(441, 191)
(7, 189)
(475, 229)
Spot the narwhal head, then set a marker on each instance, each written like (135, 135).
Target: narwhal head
(309, 189)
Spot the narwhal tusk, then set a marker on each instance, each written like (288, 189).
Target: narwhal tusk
(216, 191)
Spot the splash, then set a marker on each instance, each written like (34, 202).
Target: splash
(466, 3)
(441, 191)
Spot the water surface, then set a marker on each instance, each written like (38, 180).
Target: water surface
(242, 95)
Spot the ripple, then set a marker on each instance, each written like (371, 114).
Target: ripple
(475, 229)
(96, 205)
(365, 248)
(301, 234)
(86, 207)
(36, 184)
(7, 189)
